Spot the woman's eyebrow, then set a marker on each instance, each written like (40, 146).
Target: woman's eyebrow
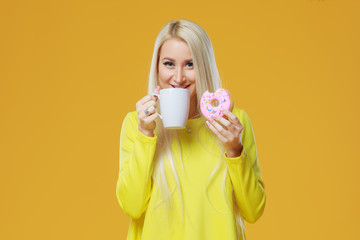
(168, 58)
(186, 60)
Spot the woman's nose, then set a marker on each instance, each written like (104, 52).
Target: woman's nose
(179, 76)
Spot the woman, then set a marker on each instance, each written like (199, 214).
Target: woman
(196, 183)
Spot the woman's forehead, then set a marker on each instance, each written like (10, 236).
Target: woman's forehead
(175, 48)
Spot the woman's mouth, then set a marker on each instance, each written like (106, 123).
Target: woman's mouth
(186, 87)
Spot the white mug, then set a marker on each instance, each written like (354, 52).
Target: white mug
(174, 107)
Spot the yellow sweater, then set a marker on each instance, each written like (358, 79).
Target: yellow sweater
(135, 188)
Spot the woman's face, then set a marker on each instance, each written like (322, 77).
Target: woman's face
(175, 68)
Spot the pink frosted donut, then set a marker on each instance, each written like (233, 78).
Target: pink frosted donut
(211, 103)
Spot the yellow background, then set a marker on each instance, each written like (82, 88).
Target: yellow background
(71, 70)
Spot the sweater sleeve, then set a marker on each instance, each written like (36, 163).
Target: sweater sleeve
(134, 184)
(245, 175)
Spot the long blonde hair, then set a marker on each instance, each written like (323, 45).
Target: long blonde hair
(206, 78)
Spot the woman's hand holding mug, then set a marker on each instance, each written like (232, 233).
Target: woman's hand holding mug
(146, 111)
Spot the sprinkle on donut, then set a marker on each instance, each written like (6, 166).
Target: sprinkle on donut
(211, 103)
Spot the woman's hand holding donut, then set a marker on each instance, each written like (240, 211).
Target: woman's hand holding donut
(229, 133)
(146, 111)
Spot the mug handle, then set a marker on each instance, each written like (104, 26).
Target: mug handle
(158, 95)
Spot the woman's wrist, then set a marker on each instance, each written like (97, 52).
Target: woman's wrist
(146, 132)
(234, 154)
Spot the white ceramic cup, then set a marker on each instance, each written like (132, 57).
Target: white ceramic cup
(174, 107)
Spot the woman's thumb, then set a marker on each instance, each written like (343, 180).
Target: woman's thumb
(156, 91)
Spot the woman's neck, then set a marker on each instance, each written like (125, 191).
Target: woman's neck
(193, 112)
(194, 115)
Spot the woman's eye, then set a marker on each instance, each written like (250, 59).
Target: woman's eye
(190, 64)
(168, 64)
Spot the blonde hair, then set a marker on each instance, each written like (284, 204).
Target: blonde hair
(206, 78)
